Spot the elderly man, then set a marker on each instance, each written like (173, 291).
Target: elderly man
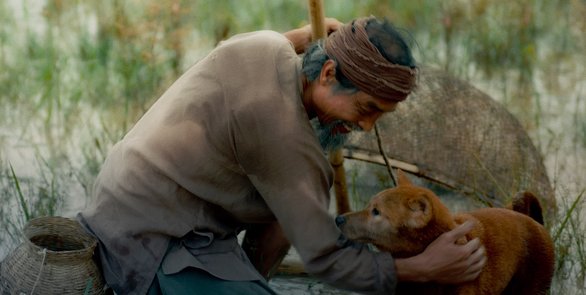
(232, 146)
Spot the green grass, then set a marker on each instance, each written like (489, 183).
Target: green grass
(77, 74)
(23, 204)
(25, 198)
(569, 235)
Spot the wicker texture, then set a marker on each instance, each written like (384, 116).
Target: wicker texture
(457, 135)
(55, 258)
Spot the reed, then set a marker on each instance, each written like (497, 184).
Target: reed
(23, 205)
(568, 234)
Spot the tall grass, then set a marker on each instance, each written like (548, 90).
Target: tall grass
(24, 198)
(569, 235)
(77, 74)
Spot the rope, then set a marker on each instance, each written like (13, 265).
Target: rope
(44, 252)
(382, 152)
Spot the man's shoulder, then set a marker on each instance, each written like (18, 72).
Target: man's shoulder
(256, 36)
(258, 41)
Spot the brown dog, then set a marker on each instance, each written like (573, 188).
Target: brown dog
(406, 219)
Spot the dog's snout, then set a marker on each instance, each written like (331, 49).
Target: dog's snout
(340, 220)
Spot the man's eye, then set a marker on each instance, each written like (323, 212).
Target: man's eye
(375, 212)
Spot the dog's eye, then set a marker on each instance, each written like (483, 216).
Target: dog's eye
(375, 212)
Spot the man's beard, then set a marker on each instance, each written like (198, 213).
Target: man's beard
(329, 137)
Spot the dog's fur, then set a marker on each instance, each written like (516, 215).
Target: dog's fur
(406, 219)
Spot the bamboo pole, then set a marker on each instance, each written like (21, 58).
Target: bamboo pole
(318, 31)
(317, 19)
(340, 187)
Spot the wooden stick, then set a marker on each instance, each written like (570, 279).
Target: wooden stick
(382, 152)
(359, 154)
(340, 186)
(318, 31)
(317, 19)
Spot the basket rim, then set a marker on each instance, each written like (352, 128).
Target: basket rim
(44, 220)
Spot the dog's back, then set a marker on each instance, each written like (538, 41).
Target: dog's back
(537, 271)
(519, 251)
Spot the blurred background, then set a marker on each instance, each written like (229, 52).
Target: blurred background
(75, 75)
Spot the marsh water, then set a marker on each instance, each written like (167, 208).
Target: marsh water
(74, 77)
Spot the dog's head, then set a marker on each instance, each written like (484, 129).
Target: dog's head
(402, 220)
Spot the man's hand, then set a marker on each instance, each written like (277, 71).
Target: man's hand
(301, 37)
(444, 261)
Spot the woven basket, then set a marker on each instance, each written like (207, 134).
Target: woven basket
(55, 258)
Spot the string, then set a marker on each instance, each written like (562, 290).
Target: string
(44, 252)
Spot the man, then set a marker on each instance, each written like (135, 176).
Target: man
(230, 147)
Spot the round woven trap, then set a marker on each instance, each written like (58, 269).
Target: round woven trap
(54, 258)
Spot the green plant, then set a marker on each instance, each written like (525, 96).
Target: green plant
(568, 235)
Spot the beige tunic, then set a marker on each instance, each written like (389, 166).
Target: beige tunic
(229, 144)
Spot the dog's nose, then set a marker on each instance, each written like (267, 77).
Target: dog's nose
(340, 220)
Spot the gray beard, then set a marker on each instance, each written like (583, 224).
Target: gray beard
(328, 139)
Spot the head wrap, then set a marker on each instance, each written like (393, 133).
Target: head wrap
(361, 62)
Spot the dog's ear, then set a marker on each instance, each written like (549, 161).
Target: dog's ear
(402, 179)
(421, 211)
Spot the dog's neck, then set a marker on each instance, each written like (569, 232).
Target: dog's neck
(417, 239)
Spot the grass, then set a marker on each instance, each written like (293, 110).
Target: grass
(569, 236)
(23, 204)
(77, 74)
(25, 198)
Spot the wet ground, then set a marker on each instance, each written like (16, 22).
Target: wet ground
(298, 285)
(292, 281)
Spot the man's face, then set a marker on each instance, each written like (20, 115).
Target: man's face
(339, 113)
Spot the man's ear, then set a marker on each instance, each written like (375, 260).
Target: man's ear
(402, 179)
(421, 212)
(328, 72)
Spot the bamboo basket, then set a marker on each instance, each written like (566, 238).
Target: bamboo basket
(54, 258)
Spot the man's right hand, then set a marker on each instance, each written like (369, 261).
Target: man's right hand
(301, 37)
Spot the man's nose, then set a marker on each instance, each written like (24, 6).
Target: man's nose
(367, 123)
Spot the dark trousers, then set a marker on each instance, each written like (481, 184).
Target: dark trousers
(196, 281)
